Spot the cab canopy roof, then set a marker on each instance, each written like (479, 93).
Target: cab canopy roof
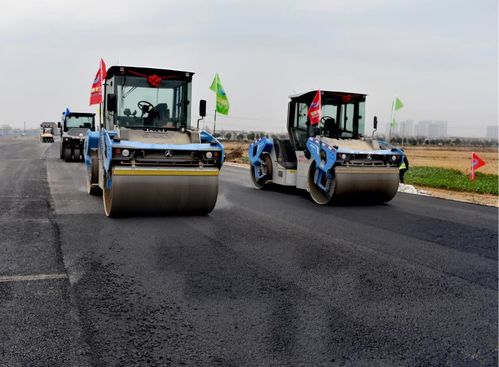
(78, 114)
(307, 97)
(147, 72)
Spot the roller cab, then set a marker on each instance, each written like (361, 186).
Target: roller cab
(332, 160)
(146, 158)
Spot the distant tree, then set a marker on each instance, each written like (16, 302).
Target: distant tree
(411, 141)
(251, 136)
(240, 136)
(228, 136)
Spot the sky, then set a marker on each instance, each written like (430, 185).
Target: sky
(440, 57)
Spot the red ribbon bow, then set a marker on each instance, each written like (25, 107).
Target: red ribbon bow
(154, 80)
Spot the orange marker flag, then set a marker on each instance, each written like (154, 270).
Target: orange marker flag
(476, 163)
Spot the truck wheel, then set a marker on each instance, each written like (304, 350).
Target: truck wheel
(267, 168)
(93, 175)
(61, 153)
(67, 154)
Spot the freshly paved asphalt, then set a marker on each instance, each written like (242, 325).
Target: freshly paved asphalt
(267, 279)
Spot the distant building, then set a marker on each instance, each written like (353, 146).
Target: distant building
(405, 128)
(492, 132)
(421, 128)
(431, 129)
(437, 130)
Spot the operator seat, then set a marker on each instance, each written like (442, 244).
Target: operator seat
(331, 128)
(162, 112)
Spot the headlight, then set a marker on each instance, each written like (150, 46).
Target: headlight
(209, 155)
(343, 156)
(125, 152)
(394, 158)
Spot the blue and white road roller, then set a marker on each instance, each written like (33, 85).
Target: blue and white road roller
(146, 157)
(333, 160)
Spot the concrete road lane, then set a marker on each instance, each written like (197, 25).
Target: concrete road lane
(270, 278)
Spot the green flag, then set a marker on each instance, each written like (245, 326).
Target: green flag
(222, 100)
(398, 104)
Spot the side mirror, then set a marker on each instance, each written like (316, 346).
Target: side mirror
(202, 108)
(375, 123)
(111, 103)
(59, 124)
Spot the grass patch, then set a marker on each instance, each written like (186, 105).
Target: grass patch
(452, 179)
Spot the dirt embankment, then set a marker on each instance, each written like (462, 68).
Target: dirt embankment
(458, 158)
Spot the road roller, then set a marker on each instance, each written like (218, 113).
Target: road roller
(332, 159)
(74, 127)
(146, 158)
(47, 132)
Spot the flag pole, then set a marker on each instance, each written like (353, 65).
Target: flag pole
(214, 121)
(391, 121)
(472, 168)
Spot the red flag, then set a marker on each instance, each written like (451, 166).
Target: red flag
(96, 91)
(315, 109)
(476, 163)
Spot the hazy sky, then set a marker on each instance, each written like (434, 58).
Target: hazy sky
(440, 57)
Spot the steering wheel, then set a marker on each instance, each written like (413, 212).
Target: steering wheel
(324, 118)
(143, 104)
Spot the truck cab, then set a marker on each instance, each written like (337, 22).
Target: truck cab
(47, 132)
(74, 127)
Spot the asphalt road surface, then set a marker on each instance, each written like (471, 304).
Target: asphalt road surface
(267, 279)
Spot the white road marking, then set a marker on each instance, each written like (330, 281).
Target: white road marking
(29, 278)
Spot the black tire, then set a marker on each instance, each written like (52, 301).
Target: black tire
(76, 154)
(67, 155)
(263, 182)
(61, 153)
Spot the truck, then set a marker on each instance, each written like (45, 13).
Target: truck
(334, 161)
(74, 127)
(146, 157)
(47, 132)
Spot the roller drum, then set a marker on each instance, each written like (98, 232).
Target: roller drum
(161, 191)
(378, 184)
(364, 184)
